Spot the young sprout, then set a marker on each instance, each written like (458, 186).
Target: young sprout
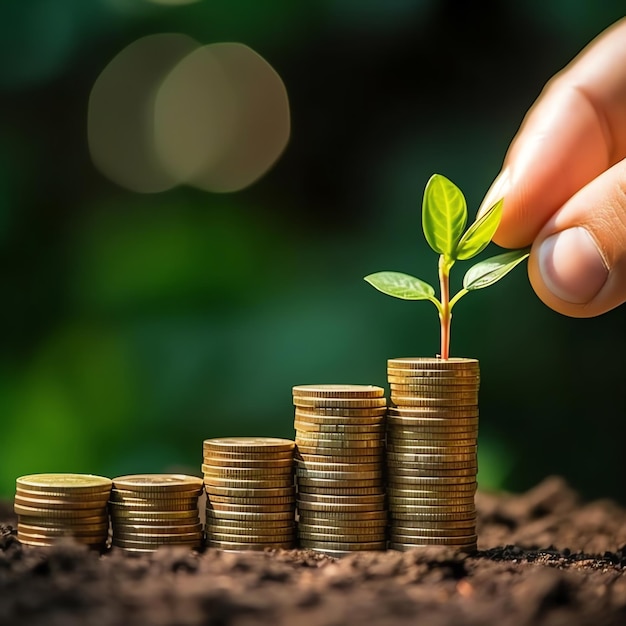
(444, 217)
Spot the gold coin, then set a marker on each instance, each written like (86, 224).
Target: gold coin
(158, 482)
(341, 517)
(61, 530)
(121, 495)
(242, 546)
(249, 444)
(350, 429)
(353, 537)
(65, 483)
(328, 451)
(280, 492)
(259, 526)
(342, 491)
(274, 483)
(246, 501)
(60, 522)
(338, 391)
(409, 377)
(31, 511)
(403, 547)
(417, 517)
(339, 508)
(94, 497)
(325, 483)
(340, 545)
(305, 530)
(412, 454)
(249, 508)
(252, 537)
(434, 541)
(338, 441)
(403, 531)
(352, 439)
(355, 466)
(428, 363)
(448, 384)
(408, 482)
(247, 472)
(252, 517)
(162, 529)
(150, 545)
(413, 473)
(399, 501)
(441, 398)
(466, 488)
(128, 534)
(160, 505)
(340, 403)
(458, 440)
(45, 542)
(371, 415)
(415, 401)
(124, 511)
(57, 503)
(438, 525)
(339, 455)
(333, 499)
(451, 413)
(224, 456)
(348, 477)
(453, 446)
(436, 507)
(39, 535)
(249, 463)
(267, 529)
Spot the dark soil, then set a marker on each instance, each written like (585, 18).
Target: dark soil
(544, 559)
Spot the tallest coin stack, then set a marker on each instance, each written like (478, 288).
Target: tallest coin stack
(432, 428)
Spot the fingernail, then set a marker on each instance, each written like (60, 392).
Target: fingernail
(572, 266)
(498, 189)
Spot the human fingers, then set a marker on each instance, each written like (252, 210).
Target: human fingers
(575, 131)
(577, 264)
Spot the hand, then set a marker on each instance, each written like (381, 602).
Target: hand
(564, 183)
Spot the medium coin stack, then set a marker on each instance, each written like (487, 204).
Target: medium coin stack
(432, 430)
(54, 506)
(339, 467)
(250, 492)
(152, 510)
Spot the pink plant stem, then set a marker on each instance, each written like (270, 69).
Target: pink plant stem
(446, 314)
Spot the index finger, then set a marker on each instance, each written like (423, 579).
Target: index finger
(575, 131)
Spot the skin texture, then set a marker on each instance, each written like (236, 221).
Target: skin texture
(564, 183)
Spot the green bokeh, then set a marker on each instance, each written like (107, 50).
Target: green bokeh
(136, 326)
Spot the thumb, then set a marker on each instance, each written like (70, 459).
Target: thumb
(577, 264)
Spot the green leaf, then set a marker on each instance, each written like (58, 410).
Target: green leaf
(490, 271)
(401, 286)
(479, 234)
(444, 215)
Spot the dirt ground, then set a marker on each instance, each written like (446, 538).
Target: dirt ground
(544, 559)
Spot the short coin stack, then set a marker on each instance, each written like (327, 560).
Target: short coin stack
(53, 506)
(250, 491)
(432, 430)
(339, 467)
(152, 510)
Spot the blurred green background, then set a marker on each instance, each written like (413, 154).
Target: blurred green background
(134, 326)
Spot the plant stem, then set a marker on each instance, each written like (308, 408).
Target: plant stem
(445, 315)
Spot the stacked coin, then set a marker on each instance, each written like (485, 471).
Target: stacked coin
(250, 493)
(432, 430)
(53, 506)
(339, 467)
(152, 510)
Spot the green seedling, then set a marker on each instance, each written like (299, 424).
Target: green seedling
(444, 217)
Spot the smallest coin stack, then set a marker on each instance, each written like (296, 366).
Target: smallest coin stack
(53, 506)
(152, 510)
(250, 492)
